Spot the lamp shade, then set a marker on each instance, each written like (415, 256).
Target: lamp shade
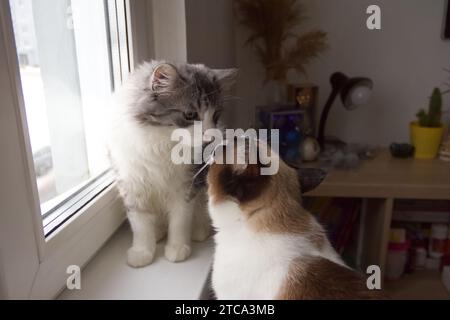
(356, 93)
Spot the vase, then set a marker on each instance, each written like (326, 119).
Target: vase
(426, 140)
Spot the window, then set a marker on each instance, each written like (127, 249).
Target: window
(72, 54)
(76, 58)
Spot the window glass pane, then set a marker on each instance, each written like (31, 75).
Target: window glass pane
(65, 66)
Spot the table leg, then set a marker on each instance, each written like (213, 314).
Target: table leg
(377, 222)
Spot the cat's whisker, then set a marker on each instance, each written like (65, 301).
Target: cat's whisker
(230, 99)
(213, 92)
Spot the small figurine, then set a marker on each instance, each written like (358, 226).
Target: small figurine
(309, 149)
(402, 150)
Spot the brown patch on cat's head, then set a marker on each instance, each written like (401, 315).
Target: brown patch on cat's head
(318, 278)
(240, 182)
(270, 203)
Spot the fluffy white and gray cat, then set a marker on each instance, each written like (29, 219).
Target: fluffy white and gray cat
(156, 99)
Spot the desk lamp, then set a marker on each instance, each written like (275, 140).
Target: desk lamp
(354, 92)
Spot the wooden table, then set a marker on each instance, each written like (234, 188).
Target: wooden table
(378, 182)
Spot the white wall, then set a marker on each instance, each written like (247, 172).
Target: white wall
(210, 36)
(210, 39)
(169, 30)
(404, 60)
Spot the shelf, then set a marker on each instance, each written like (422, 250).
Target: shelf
(422, 284)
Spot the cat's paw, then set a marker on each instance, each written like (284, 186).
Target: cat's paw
(139, 257)
(177, 252)
(201, 232)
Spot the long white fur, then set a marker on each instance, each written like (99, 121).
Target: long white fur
(254, 265)
(153, 187)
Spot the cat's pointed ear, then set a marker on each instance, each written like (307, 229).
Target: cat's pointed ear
(226, 78)
(164, 78)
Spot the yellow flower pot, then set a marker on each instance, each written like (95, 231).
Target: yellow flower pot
(426, 140)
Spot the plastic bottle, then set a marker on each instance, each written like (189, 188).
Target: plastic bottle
(396, 260)
(438, 240)
(420, 257)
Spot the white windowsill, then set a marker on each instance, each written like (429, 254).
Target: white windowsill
(107, 276)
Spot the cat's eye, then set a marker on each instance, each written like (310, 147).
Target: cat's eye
(191, 115)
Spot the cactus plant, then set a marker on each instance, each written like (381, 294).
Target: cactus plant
(432, 118)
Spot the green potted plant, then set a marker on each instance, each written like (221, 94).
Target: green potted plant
(427, 132)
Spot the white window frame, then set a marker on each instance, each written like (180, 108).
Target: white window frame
(32, 266)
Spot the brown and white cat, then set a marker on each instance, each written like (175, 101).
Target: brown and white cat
(267, 245)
